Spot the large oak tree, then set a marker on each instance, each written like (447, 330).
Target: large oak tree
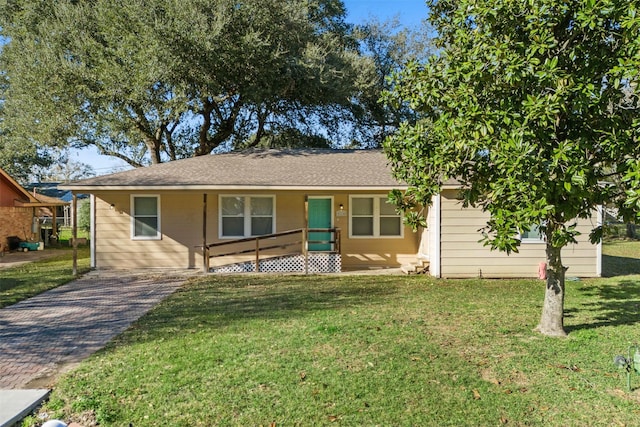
(533, 106)
(155, 80)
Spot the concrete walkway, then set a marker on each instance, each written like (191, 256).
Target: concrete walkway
(47, 334)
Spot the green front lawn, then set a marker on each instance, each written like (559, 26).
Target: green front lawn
(620, 257)
(27, 280)
(363, 350)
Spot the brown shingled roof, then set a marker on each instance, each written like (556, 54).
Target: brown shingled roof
(273, 169)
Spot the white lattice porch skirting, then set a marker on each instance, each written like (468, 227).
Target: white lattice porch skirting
(319, 262)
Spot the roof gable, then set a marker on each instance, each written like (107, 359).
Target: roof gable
(10, 190)
(262, 169)
(13, 194)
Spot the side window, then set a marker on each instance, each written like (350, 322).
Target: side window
(534, 235)
(145, 217)
(246, 216)
(390, 220)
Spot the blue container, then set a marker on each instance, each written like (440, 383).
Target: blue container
(29, 246)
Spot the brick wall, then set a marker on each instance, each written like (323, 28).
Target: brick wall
(14, 222)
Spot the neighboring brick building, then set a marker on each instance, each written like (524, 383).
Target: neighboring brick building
(19, 210)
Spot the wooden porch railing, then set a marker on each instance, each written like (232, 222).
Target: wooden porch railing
(303, 243)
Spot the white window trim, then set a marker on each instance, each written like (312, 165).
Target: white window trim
(531, 240)
(246, 214)
(376, 217)
(158, 235)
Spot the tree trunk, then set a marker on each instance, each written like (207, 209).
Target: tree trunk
(552, 319)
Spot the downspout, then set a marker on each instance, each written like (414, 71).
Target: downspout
(54, 225)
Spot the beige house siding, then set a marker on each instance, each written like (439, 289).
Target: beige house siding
(181, 215)
(462, 255)
(181, 227)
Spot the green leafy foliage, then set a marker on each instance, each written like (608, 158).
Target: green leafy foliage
(149, 81)
(532, 108)
(84, 215)
(18, 158)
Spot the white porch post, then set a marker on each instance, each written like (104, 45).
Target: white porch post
(434, 236)
(92, 231)
(205, 250)
(74, 232)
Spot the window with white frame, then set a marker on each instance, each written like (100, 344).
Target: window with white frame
(534, 235)
(245, 216)
(373, 216)
(145, 217)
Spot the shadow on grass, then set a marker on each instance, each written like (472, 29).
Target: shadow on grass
(23, 281)
(616, 302)
(619, 266)
(234, 300)
(12, 290)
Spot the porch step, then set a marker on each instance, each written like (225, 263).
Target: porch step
(421, 266)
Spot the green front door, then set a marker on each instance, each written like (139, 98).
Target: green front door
(320, 217)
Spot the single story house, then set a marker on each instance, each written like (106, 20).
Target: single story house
(20, 211)
(293, 210)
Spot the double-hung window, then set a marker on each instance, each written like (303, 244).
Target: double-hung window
(373, 216)
(246, 216)
(145, 217)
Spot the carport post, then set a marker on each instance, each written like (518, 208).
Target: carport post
(54, 225)
(74, 232)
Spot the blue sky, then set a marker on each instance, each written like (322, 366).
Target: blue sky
(409, 12)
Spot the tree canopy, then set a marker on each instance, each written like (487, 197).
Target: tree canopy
(163, 79)
(533, 106)
(63, 168)
(390, 46)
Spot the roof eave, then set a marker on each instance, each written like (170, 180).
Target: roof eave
(96, 188)
(22, 204)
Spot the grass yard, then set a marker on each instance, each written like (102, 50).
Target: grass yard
(66, 233)
(18, 283)
(363, 351)
(620, 257)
